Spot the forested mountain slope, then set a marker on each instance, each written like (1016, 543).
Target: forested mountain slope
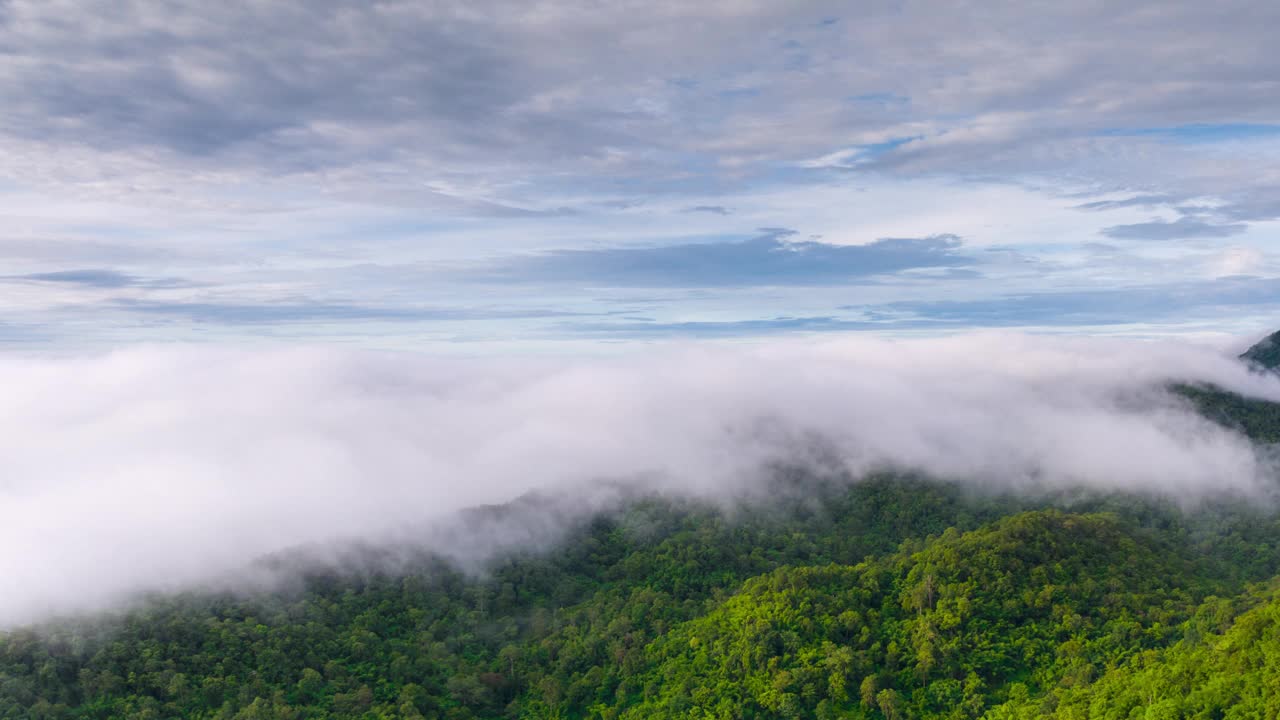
(1227, 665)
(890, 597)
(957, 624)
(705, 616)
(1264, 354)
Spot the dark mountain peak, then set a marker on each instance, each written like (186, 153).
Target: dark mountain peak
(1265, 353)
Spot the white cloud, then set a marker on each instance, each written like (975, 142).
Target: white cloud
(159, 468)
(1238, 260)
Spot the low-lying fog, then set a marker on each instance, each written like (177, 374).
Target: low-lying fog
(160, 468)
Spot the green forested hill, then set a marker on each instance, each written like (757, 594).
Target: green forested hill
(1265, 353)
(951, 626)
(1258, 419)
(1227, 665)
(892, 597)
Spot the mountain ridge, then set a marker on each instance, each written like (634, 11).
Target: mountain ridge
(1265, 353)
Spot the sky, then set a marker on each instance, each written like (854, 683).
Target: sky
(542, 176)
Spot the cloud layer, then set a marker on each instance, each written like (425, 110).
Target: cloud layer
(301, 86)
(164, 467)
(268, 168)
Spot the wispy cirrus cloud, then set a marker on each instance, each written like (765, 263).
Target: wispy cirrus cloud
(99, 278)
(649, 328)
(90, 278)
(1142, 201)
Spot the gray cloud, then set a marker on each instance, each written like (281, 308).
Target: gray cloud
(766, 260)
(100, 278)
(90, 278)
(299, 87)
(1181, 229)
(1262, 204)
(294, 86)
(710, 209)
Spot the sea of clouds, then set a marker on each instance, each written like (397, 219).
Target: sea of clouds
(158, 468)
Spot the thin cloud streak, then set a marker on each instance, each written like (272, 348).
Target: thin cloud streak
(1181, 229)
(771, 259)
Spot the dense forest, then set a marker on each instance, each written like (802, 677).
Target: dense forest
(891, 597)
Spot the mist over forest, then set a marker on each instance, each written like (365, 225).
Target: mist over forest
(978, 525)
(193, 462)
